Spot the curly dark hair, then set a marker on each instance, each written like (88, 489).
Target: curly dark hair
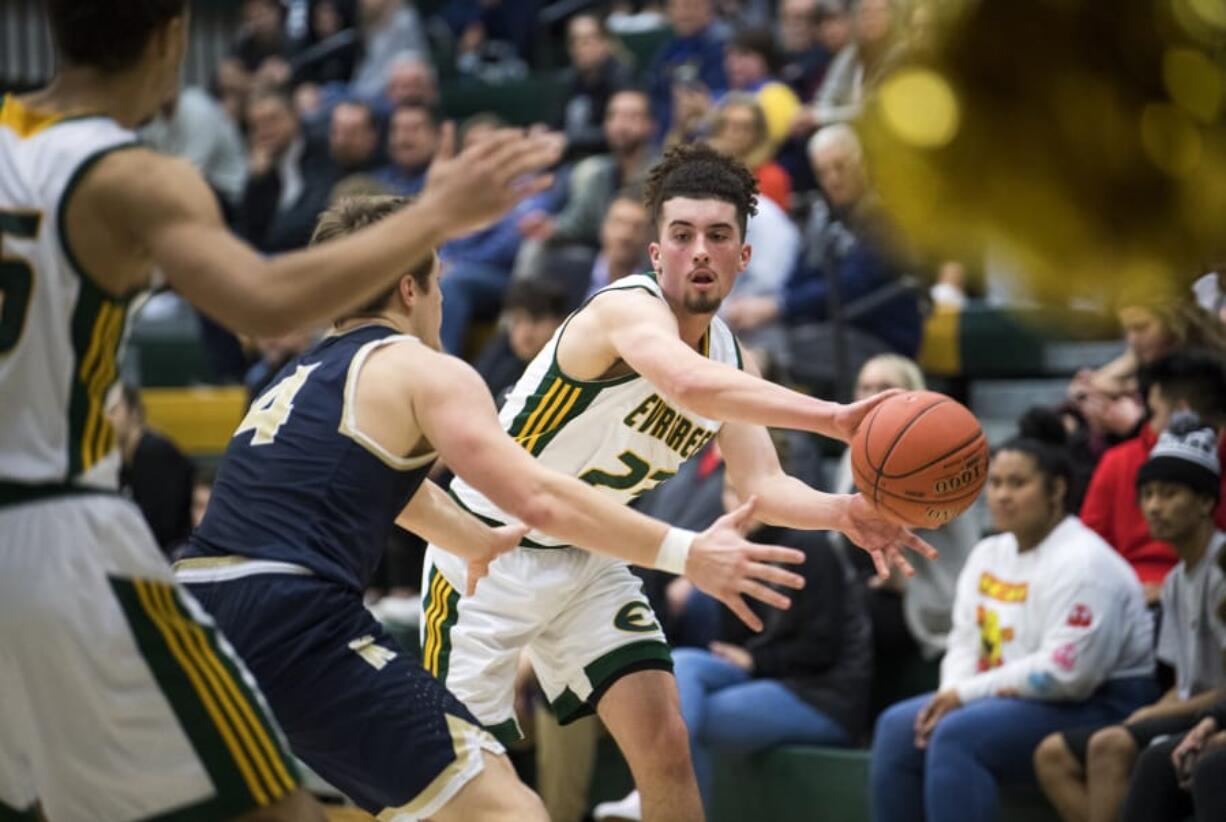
(109, 35)
(697, 171)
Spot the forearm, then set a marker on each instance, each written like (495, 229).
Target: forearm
(574, 512)
(435, 517)
(1179, 707)
(721, 392)
(285, 293)
(786, 501)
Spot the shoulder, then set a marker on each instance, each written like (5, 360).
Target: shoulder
(1077, 553)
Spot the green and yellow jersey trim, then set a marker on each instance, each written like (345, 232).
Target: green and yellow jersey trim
(218, 712)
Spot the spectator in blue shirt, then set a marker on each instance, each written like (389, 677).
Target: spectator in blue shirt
(695, 54)
(412, 139)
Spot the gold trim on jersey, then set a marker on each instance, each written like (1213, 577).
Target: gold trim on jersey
(245, 737)
(25, 121)
(348, 425)
(553, 408)
(99, 369)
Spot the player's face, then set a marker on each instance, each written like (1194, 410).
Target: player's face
(699, 253)
(427, 316)
(1018, 496)
(1172, 509)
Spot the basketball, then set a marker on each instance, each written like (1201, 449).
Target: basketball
(920, 458)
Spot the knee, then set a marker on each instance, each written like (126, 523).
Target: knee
(1113, 744)
(897, 723)
(668, 748)
(1053, 757)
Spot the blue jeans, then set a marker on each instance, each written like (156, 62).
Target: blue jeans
(727, 710)
(975, 747)
(469, 291)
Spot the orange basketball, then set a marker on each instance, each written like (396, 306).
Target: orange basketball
(920, 458)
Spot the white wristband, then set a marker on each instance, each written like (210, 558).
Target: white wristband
(674, 550)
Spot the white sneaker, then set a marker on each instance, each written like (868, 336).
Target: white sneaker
(630, 808)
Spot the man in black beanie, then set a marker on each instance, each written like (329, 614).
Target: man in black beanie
(1085, 772)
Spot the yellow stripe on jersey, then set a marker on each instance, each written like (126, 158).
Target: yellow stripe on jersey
(541, 407)
(154, 609)
(25, 122)
(566, 401)
(98, 371)
(265, 754)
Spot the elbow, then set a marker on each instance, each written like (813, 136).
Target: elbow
(1063, 686)
(687, 387)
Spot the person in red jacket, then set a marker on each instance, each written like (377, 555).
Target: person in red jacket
(1194, 380)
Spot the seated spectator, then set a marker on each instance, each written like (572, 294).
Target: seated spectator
(411, 80)
(805, 55)
(1179, 486)
(802, 680)
(289, 179)
(694, 55)
(596, 72)
(595, 181)
(1050, 632)
(390, 29)
(477, 268)
(1195, 381)
(848, 236)
(154, 473)
(752, 63)
(624, 235)
(912, 616)
(856, 70)
(412, 139)
(193, 126)
(328, 53)
(353, 137)
(1154, 326)
(740, 130)
(532, 312)
(261, 46)
(1182, 776)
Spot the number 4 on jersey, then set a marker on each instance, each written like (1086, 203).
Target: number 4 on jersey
(272, 409)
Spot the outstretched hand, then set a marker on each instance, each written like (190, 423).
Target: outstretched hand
(472, 188)
(505, 538)
(884, 540)
(848, 418)
(723, 564)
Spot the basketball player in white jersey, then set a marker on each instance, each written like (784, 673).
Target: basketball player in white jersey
(117, 699)
(632, 384)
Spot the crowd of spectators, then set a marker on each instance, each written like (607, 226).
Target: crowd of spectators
(1103, 548)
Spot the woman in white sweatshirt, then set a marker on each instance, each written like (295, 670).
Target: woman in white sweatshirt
(1050, 630)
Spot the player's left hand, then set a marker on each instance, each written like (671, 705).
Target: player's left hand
(882, 539)
(504, 539)
(848, 417)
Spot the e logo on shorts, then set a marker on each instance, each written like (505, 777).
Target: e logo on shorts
(636, 617)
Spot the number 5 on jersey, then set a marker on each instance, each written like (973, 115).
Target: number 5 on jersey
(272, 409)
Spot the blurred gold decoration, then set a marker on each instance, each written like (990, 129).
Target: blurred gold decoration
(1085, 140)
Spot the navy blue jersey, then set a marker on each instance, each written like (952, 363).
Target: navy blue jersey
(300, 483)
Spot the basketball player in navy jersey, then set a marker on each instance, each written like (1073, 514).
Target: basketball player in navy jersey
(309, 486)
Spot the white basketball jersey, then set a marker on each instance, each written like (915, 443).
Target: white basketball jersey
(59, 332)
(622, 436)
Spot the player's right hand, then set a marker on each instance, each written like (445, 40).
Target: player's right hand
(723, 564)
(473, 188)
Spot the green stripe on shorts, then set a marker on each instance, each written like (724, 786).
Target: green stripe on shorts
(225, 725)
